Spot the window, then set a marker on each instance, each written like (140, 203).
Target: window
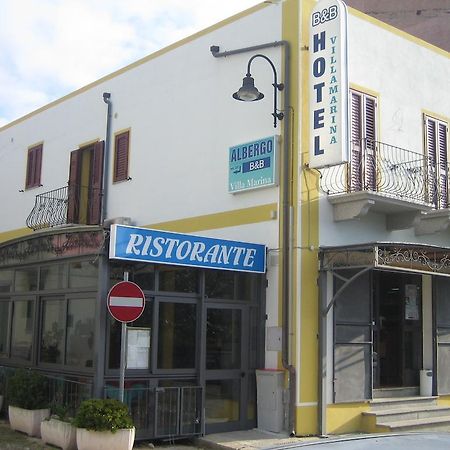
(121, 147)
(436, 153)
(53, 326)
(363, 137)
(4, 327)
(34, 164)
(80, 332)
(177, 326)
(22, 329)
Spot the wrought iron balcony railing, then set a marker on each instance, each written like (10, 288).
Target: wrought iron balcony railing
(390, 171)
(71, 204)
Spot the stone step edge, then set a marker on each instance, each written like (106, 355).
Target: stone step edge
(415, 422)
(397, 411)
(381, 400)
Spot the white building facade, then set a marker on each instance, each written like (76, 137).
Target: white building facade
(162, 145)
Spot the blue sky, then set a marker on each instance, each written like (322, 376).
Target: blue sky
(49, 48)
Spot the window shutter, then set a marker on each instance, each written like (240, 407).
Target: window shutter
(73, 187)
(430, 137)
(370, 137)
(355, 136)
(121, 156)
(443, 166)
(95, 188)
(34, 166)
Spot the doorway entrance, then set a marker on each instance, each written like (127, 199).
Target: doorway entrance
(397, 336)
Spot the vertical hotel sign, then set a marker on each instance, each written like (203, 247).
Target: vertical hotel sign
(329, 84)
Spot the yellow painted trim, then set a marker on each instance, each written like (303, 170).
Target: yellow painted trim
(36, 145)
(88, 143)
(138, 63)
(364, 90)
(346, 418)
(398, 32)
(14, 234)
(433, 115)
(223, 219)
(307, 418)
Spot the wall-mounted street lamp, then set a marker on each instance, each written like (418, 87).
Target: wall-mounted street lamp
(249, 93)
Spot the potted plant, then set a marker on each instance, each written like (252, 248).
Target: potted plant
(58, 429)
(104, 424)
(28, 401)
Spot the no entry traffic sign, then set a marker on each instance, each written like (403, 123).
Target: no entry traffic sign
(126, 301)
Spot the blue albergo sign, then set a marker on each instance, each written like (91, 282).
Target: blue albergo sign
(252, 165)
(163, 247)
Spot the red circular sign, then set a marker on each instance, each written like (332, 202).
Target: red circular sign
(126, 301)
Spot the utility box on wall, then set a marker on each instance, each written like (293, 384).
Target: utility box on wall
(269, 388)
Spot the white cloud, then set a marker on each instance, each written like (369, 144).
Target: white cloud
(51, 47)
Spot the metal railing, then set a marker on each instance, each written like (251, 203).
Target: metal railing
(64, 392)
(163, 412)
(68, 204)
(390, 171)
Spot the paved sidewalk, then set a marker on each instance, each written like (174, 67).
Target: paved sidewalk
(249, 440)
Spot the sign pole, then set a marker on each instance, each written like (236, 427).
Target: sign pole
(123, 353)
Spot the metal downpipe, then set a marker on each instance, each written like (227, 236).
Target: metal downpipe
(286, 219)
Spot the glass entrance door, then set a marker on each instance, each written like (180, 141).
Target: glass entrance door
(229, 403)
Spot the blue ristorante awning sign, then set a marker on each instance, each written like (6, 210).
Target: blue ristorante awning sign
(162, 247)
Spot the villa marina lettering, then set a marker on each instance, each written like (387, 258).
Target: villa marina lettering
(329, 84)
(141, 244)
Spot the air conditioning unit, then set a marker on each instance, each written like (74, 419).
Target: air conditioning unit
(118, 221)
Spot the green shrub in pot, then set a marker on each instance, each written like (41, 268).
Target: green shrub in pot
(28, 390)
(103, 415)
(104, 424)
(27, 394)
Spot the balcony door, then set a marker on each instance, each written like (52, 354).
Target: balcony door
(363, 140)
(85, 185)
(436, 154)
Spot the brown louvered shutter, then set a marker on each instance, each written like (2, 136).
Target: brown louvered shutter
(95, 188)
(34, 166)
(121, 156)
(370, 137)
(443, 166)
(356, 141)
(430, 136)
(73, 187)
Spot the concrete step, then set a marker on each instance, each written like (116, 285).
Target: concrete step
(428, 424)
(398, 414)
(410, 391)
(402, 403)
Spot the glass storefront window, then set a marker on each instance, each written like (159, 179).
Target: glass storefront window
(26, 279)
(6, 280)
(144, 276)
(52, 336)
(83, 274)
(178, 279)
(22, 329)
(223, 339)
(4, 328)
(80, 332)
(177, 335)
(115, 333)
(53, 277)
(222, 400)
(223, 284)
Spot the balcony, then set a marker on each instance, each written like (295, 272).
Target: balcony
(405, 186)
(72, 204)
